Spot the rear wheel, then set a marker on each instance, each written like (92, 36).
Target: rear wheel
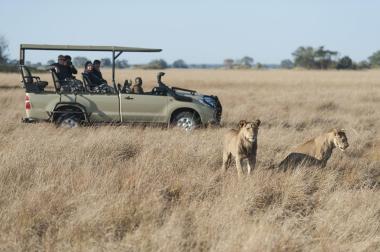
(68, 121)
(186, 120)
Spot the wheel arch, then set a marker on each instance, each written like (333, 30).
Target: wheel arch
(184, 109)
(64, 107)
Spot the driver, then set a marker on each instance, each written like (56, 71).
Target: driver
(137, 87)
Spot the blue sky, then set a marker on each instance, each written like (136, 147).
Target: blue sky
(197, 31)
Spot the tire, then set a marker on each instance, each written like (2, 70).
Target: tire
(68, 121)
(186, 120)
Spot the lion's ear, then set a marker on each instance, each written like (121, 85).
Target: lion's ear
(242, 123)
(258, 122)
(342, 130)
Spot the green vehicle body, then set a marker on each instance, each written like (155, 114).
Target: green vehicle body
(114, 108)
(117, 107)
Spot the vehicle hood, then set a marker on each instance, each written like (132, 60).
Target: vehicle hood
(195, 96)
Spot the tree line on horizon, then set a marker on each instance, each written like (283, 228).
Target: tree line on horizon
(305, 57)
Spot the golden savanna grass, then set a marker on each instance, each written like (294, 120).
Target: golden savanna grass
(123, 188)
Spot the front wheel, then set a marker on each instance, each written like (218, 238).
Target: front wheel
(68, 121)
(186, 120)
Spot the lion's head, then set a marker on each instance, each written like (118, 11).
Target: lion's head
(340, 139)
(249, 130)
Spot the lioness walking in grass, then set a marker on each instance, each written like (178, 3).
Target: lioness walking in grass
(242, 144)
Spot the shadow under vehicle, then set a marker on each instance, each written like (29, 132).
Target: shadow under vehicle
(167, 105)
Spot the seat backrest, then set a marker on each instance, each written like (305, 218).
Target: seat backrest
(26, 75)
(86, 82)
(57, 83)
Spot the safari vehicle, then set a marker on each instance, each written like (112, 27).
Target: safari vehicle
(171, 106)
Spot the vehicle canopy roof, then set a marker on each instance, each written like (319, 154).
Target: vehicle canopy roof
(86, 48)
(114, 49)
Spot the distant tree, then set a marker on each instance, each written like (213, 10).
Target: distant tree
(50, 62)
(246, 62)
(311, 58)
(259, 65)
(363, 65)
(304, 57)
(287, 64)
(180, 64)
(106, 62)
(345, 63)
(374, 59)
(324, 58)
(121, 63)
(228, 63)
(157, 64)
(3, 50)
(79, 61)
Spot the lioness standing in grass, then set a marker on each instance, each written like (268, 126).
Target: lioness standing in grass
(316, 151)
(242, 144)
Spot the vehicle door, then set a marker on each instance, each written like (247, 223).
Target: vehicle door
(144, 108)
(101, 107)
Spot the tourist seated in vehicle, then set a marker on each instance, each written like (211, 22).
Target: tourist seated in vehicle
(59, 67)
(64, 68)
(69, 68)
(96, 70)
(127, 87)
(137, 87)
(95, 84)
(64, 71)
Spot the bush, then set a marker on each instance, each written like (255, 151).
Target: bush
(180, 64)
(8, 68)
(374, 59)
(157, 64)
(363, 65)
(345, 63)
(287, 64)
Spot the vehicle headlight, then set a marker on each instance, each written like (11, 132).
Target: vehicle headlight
(208, 101)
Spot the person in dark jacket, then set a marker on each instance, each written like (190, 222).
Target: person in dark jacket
(69, 68)
(64, 71)
(96, 70)
(96, 84)
(89, 73)
(60, 67)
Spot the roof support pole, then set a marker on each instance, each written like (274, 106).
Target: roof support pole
(113, 68)
(22, 56)
(118, 54)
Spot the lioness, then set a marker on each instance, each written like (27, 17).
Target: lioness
(242, 144)
(316, 151)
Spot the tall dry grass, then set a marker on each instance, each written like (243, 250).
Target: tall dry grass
(134, 189)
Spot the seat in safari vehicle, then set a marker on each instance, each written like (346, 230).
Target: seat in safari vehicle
(32, 83)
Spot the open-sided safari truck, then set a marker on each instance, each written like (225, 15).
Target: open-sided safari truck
(162, 105)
